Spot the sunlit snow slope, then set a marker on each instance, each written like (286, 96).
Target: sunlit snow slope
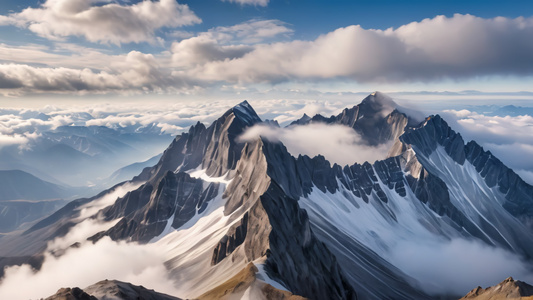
(241, 219)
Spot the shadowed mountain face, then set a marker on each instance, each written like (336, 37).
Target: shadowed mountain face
(376, 119)
(234, 214)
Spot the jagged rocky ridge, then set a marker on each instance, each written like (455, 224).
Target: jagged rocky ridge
(109, 289)
(318, 230)
(507, 289)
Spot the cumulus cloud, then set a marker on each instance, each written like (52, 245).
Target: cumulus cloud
(457, 266)
(225, 42)
(338, 144)
(102, 21)
(458, 47)
(12, 139)
(21, 127)
(65, 55)
(135, 72)
(20, 123)
(203, 49)
(129, 262)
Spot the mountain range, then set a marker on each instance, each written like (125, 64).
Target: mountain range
(79, 156)
(238, 218)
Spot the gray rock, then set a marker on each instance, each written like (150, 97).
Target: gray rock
(376, 119)
(146, 211)
(110, 289)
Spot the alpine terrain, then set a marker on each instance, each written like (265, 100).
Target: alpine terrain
(236, 218)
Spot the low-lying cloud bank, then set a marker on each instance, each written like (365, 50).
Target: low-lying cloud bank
(507, 137)
(19, 126)
(88, 263)
(457, 266)
(338, 144)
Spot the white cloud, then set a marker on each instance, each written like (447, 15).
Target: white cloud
(458, 47)
(90, 209)
(250, 2)
(31, 78)
(102, 21)
(338, 144)
(21, 126)
(203, 49)
(249, 53)
(129, 262)
(60, 55)
(13, 139)
(457, 266)
(134, 72)
(225, 43)
(17, 129)
(89, 263)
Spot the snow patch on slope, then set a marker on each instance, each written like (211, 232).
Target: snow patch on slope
(409, 235)
(189, 250)
(213, 205)
(201, 174)
(480, 203)
(377, 225)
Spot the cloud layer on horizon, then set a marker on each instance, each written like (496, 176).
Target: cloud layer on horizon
(440, 48)
(139, 264)
(508, 137)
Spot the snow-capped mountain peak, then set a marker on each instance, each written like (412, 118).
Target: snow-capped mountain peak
(223, 210)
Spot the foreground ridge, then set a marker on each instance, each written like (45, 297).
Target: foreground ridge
(507, 289)
(110, 289)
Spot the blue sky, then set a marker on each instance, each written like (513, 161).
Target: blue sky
(164, 47)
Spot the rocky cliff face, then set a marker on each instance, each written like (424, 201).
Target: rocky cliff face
(302, 225)
(174, 198)
(376, 119)
(110, 289)
(214, 149)
(472, 186)
(507, 289)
